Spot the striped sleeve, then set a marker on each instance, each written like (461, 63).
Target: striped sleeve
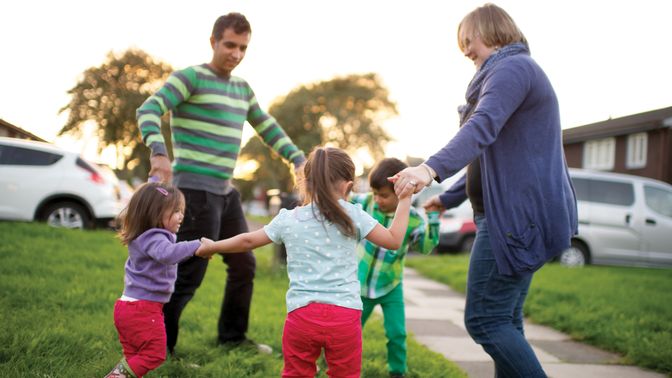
(176, 90)
(272, 134)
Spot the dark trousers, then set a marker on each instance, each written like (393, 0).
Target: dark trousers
(215, 217)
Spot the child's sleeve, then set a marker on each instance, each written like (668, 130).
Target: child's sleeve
(274, 229)
(166, 252)
(364, 222)
(422, 239)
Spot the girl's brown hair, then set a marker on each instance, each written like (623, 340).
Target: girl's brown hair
(493, 24)
(325, 168)
(146, 209)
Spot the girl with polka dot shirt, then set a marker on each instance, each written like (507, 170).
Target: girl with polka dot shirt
(323, 302)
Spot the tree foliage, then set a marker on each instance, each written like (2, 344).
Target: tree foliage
(345, 112)
(108, 96)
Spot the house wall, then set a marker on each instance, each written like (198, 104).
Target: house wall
(658, 159)
(574, 154)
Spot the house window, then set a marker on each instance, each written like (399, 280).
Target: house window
(599, 154)
(636, 157)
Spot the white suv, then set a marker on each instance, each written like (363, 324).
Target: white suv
(623, 220)
(39, 181)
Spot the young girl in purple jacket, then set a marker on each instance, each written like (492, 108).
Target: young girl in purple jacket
(148, 227)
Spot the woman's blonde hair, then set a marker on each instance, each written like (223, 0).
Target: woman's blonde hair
(495, 27)
(324, 169)
(146, 209)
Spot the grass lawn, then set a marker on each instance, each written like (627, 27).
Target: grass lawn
(58, 290)
(624, 310)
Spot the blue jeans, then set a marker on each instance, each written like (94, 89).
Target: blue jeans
(494, 311)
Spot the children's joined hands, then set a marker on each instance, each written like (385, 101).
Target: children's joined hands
(202, 251)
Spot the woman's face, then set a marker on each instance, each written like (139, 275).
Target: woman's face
(475, 49)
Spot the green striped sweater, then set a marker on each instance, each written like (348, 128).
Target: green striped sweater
(207, 117)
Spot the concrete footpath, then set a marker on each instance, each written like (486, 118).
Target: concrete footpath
(434, 315)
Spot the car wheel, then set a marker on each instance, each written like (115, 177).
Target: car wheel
(467, 243)
(576, 255)
(66, 215)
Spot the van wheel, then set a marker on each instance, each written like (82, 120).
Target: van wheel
(66, 215)
(576, 255)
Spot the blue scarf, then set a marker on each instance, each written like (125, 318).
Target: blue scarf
(474, 88)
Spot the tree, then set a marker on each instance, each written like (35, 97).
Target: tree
(345, 112)
(108, 96)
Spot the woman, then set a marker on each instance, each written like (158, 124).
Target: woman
(517, 181)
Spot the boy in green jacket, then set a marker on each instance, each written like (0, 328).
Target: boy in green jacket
(381, 270)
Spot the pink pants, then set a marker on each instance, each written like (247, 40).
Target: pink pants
(142, 334)
(309, 329)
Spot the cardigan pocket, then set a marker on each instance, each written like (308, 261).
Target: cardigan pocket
(524, 239)
(525, 248)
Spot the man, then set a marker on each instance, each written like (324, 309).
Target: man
(209, 108)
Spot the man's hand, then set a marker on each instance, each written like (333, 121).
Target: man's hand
(298, 170)
(161, 168)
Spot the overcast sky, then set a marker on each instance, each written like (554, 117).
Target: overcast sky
(604, 58)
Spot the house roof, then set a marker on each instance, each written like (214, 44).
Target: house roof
(655, 119)
(20, 131)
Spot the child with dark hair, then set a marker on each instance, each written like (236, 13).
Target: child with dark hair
(148, 227)
(323, 303)
(381, 269)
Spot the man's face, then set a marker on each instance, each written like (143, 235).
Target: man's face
(229, 51)
(386, 199)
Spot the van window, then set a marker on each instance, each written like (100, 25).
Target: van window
(659, 200)
(603, 191)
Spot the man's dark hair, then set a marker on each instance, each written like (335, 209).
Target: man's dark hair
(385, 168)
(233, 20)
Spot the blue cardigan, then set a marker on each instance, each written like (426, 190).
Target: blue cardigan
(528, 197)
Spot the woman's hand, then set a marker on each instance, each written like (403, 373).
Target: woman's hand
(434, 204)
(415, 177)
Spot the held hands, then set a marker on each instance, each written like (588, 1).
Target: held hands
(161, 168)
(406, 191)
(415, 178)
(206, 250)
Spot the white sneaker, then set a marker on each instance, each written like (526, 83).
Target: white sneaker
(264, 349)
(261, 348)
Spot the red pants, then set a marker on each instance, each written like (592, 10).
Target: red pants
(309, 329)
(142, 334)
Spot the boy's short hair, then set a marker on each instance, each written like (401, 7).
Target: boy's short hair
(385, 168)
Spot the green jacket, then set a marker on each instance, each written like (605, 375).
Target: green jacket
(380, 269)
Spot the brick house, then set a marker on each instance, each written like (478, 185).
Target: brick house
(638, 144)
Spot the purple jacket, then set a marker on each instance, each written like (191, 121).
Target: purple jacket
(151, 267)
(527, 194)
